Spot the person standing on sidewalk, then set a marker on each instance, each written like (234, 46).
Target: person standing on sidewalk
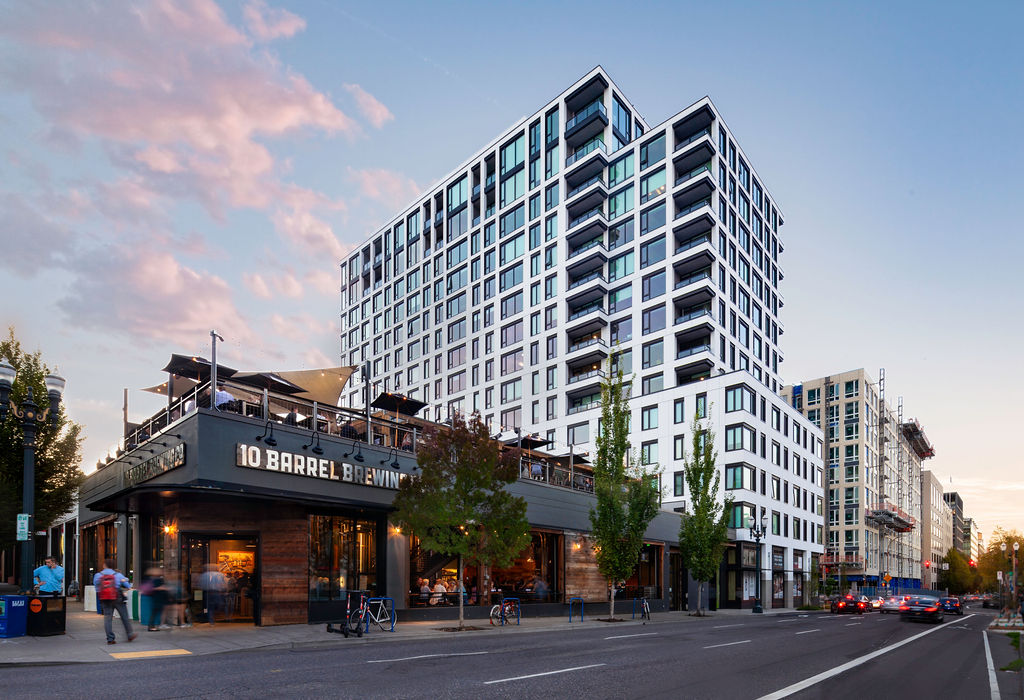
(109, 584)
(50, 577)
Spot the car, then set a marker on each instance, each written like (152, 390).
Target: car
(952, 605)
(849, 603)
(876, 603)
(922, 607)
(891, 604)
(992, 601)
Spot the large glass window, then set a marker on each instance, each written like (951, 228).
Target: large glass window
(652, 185)
(652, 252)
(512, 154)
(652, 152)
(342, 557)
(620, 171)
(620, 203)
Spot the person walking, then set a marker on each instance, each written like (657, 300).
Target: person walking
(213, 584)
(50, 577)
(109, 584)
(156, 589)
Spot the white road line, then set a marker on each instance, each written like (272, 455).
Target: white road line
(808, 631)
(425, 656)
(626, 636)
(993, 684)
(546, 673)
(793, 620)
(832, 672)
(851, 624)
(727, 644)
(721, 627)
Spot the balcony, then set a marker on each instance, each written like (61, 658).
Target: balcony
(693, 127)
(489, 182)
(592, 193)
(594, 147)
(887, 514)
(695, 189)
(693, 279)
(588, 349)
(584, 403)
(585, 227)
(476, 192)
(585, 310)
(587, 288)
(687, 317)
(590, 373)
(690, 244)
(687, 176)
(586, 319)
(849, 561)
(693, 350)
(687, 210)
(586, 124)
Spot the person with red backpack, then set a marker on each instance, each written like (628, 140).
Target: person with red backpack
(109, 584)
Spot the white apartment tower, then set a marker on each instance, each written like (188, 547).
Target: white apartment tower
(874, 460)
(584, 232)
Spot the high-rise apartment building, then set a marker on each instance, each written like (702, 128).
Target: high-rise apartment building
(582, 233)
(936, 528)
(961, 537)
(874, 478)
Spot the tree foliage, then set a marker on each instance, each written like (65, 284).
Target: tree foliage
(703, 532)
(458, 504)
(993, 559)
(627, 495)
(58, 453)
(958, 578)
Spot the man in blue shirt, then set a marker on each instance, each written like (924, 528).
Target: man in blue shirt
(50, 577)
(109, 584)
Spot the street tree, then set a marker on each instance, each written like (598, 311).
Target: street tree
(627, 493)
(703, 532)
(958, 577)
(458, 504)
(58, 450)
(993, 559)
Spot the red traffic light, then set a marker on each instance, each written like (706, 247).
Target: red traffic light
(928, 565)
(972, 563)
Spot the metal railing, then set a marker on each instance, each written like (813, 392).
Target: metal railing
(587, 215)
(694, 173)
(589, 245)
(692, 315)
(595, 275)
(585, 151)
(593, 108)
(584, 185)
(589, 308)
(706, 202)
(699, 135)
(585, 375)
(579, 345)
(571, 477)
(696, 349)
(694, 242)
(695, 277)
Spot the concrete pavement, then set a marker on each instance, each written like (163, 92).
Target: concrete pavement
(85, 641)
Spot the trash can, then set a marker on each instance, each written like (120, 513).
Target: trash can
(47, 616)
(13, 610)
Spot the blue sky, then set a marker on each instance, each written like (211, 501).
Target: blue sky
(167, 171)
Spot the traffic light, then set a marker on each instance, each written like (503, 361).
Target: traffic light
(928, 564)
(972, 563)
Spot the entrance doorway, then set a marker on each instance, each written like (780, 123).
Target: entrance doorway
(222, 574)
(679, 599)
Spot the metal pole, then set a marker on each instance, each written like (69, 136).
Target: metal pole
(366, 379)
(213, 368)
(758, 608)
(28, 547)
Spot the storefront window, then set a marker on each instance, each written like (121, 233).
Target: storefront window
(342, 557)
(532, 575)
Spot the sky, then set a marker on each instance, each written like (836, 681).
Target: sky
(168, 168)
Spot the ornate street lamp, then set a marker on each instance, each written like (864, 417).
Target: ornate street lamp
(28, 413)
(757, 534)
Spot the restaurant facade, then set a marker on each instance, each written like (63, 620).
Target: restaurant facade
(297, 518)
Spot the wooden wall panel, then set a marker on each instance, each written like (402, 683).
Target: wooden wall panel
(582, 579)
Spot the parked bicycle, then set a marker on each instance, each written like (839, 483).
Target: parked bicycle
(504, 611)
(645, 609)
(369, 610)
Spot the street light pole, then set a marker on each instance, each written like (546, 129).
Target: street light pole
(28, 413)
(757, 534)
(1013, 601)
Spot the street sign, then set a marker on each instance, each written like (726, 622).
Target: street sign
(945, 566)
(887, 578)
(22, 527)
(999, 576)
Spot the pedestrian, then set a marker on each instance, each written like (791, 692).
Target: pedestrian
(155, 588)
(49, 577)
(213, 584)
(109, 584)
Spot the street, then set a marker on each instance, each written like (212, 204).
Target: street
(721, 657)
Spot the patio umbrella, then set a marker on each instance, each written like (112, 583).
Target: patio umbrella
(267, 380)
(398, 403)
(196, 368)
(182, 385)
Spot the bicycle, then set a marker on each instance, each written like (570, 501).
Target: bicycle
(367, 611)
(645, 609)
(504, 610)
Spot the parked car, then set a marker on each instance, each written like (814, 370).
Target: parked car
(921, 607)
(952, 605)
(849, 603)
(891, 604)
(993, 601)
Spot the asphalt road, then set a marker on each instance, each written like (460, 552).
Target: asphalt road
(723, 657)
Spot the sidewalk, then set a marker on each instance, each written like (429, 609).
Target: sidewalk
(85, 641)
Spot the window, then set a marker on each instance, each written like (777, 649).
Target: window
(649, 452)
(679, 447)
(741, 515)
(620, 171)
(512, 391)
(652, 383)
(551, 197)
(511, 362)
(654, 319)
(653, 285)
(513, 154)
(739, 476)
(512, 188)
(620, 299)
(577, 434)
(653, 354)
(652, 252)
(677, 484)
(620, 203)
(652, 219)
(739, 398)
(652, 152)
(621, 233)
(852, 388)
(457, 357)
(739, 437)
(702, 405)
(649, 418)
(652, 186)
(511, 334)
(512, 305)
(513, 220)
(620, 119)
(511, 276)
(620, 267)
(622, 331)
(679, 411)
(513, 248)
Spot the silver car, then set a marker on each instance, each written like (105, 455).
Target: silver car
(891, 604)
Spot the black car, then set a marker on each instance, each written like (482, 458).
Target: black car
(921, 607)
(952, 605)
(849, 604)
(992, 601)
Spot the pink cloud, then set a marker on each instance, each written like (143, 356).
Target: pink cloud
(385, 186)
(369, 106)
(323, 282)
(288, 286)
(309, 233)
(40, 242)
(256, 285)
(267, 23)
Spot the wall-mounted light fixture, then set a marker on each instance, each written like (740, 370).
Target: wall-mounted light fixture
(268, 439)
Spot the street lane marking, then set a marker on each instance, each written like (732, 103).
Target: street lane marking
(793, 620)
(851, 624)
(809, 631)
(149, 654)
(425, 656)
(832, 672)
(721, 627)
(993, 684)
(625, 636)
(546, 673)
(728, 644)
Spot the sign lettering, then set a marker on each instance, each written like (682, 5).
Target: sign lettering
(259, 457)
(156, 465)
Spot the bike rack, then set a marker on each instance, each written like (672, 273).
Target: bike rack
(519, 608)
(378, 600)
(575, 600)
(636, 601)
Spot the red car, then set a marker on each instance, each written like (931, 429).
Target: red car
(849, 604)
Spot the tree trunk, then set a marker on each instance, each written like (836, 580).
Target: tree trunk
(700, 598)
(611, 601)
(459, 593)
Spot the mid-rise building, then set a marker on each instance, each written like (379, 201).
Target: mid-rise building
(936, 529)
(973, 535)
(874, 478)
(585, 232)
(961, 537)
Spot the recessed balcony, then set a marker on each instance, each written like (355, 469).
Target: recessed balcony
(586, 124)
(594, 151)
(693, 126)
(589, 347)
(589, 194)
(697, 189)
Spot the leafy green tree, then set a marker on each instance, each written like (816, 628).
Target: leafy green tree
(703, 532)
(993, 559)
(958, 578)
(627, 495)
(458, 505)
(58, 450)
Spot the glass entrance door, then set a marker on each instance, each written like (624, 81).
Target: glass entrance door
(223, 577)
